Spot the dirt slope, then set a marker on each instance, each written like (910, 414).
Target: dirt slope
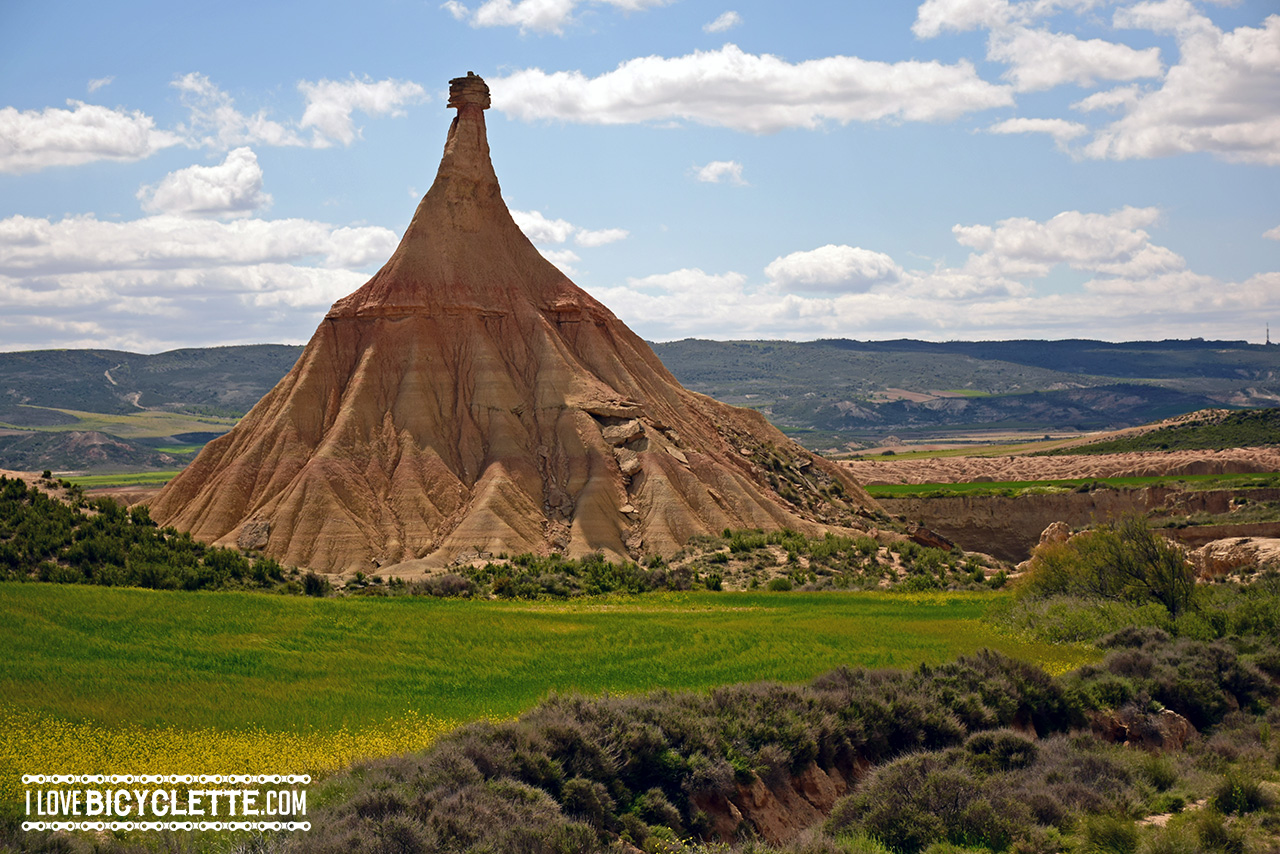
(968, 469)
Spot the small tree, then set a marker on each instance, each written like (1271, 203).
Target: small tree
(1120, 560)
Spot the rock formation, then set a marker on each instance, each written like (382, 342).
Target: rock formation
(470, 398)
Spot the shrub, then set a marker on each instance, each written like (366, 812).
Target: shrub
(1107, 834)
(314, 584)
(779, 584)
(1238, 794)
(1123, 560)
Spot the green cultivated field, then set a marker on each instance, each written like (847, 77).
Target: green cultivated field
(237, 660)
(145, 478)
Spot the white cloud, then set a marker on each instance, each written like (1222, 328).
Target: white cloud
(1041, 60)
(1111, 99)
(98, 82)
(600, 237)
(1115, 244)
(1273, 234)
(232, 188)
(209, 282)
(31, 246)
(562, 258)
(833, 268)
(215, 121)
(331, 103)
(936, 16)
(543, 16)
(754, 93)
(541, 230)
(718, 171)
(33, 140)
(1132, 288)
(1061, 130)
(1222, 96)
(726, 21)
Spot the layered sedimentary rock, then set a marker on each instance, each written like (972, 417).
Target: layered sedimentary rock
(471, 397)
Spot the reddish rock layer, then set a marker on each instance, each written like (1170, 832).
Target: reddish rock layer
(471, 396)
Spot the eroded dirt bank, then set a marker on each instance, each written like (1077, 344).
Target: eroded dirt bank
(1008, 527)
(1147, 464)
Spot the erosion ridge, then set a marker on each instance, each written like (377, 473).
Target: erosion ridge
(468, 396)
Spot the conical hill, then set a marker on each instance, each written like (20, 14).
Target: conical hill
(471, 397)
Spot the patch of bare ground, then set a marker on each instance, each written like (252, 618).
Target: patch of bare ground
(53, 487)
(1019, 468)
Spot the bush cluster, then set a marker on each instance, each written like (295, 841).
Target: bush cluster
(97, 541)
(581, 772)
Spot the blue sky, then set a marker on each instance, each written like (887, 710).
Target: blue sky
(200, 174)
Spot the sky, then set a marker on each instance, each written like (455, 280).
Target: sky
(200, 174)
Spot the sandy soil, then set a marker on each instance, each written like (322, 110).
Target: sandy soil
(1147, 464)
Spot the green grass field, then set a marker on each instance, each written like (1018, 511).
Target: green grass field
(240, 659)
(110, 680)
(144, 424)
(145, 478)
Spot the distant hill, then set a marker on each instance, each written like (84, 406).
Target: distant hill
(82, 451)
(1211, 429)
(824, 393)
(210, 380)
(838, 389)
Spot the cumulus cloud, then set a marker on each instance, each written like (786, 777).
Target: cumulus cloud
(934, 17)
(1273, 234)
(726, 21)
(232, 188)
(1115, 244)
(331, 103)
(832, 268)
(565, 259)
(755, 93)
(1061, 130)
(542, 16)
(539, 229)
(82, 244)
(1040, 59)
(215, 121)
(599, 237)
(32, 140)
(98, 82)
(719, 171)
(1002, 290)
(210, 281)
(1222, 96)
(1111, 99)
(542, 230)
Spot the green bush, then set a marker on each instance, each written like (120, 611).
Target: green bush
(1123, 560)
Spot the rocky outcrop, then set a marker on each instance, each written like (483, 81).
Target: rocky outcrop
(1224, 556)
(470, 398)
(1165, 730)
(776, 813)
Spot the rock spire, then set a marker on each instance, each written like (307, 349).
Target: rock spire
(470, 397)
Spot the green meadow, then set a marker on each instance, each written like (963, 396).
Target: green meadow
(128, 681)
(236, 660)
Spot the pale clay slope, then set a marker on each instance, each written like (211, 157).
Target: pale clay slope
(470, 396)
(1145, 464)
